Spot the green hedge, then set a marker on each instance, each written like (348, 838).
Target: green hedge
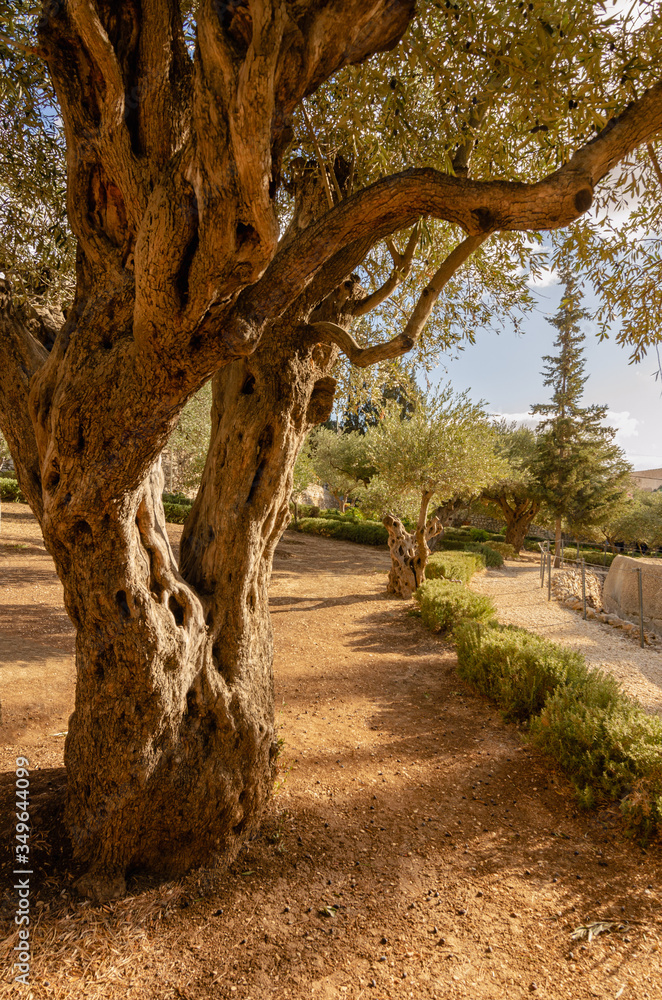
(504, 549)
(444, 604)
(177, 498)
(176, 513)
(454, 565)
(513, 667)
(345, 529)
(10, 491)
(608, 745)
(452, 544)
(493, 558)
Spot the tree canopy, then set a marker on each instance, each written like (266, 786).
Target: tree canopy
(443, 451)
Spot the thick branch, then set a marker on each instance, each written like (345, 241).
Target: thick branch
(477, 206)
(396, 277)
(362, 357)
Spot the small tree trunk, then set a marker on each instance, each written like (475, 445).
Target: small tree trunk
(557, 543)
(518, 522)
(409, 552)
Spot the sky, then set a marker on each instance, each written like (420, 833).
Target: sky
(504, 369)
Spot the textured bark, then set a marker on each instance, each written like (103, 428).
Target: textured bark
(558, 534)
(409, 552)
(519, 517)
(174, 164)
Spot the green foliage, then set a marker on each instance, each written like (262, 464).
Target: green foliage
(636, 521)
(351, 515)
(304, 474)
(505, 550)
(10, 491)
(444, 604)
(513, 667)
(348, 530)
(444, 450)
(459, 566)
(340, 461)
(489, 551)
(187, 447)
(176, 513)
(597, 558)
(609, 746)
(579, 470)
(177, 498)
(451, 544)
(478, 535)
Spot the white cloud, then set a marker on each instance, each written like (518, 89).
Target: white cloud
(527, 419)
(642, 462)
(547, 276)
(624, 424)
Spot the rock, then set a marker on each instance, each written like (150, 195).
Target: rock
(621, 592)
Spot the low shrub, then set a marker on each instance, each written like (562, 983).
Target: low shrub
(363, 532)
(608, 745)
(597, 558)
(444, 604)
(176, 513)
(177, 498)
(459, 566)
(10, 491)
(505, 549)
(451, 544)
(457, 534)
(478, 535)
(514, 668)
(493, 558)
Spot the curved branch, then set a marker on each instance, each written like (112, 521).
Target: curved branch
(362, 357)
(397, 276)
(477, 206)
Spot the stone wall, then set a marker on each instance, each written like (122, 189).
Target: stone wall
(621, 590)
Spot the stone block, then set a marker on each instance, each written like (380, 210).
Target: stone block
(621, 591)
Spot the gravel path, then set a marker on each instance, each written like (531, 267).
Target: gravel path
(516, 592)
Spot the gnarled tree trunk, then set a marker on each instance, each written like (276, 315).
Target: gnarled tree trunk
(409, 551)
(174, 166)
(519, 517)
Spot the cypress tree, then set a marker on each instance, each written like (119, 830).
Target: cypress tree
(579, 469)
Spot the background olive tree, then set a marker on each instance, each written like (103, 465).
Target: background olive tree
(443, 451)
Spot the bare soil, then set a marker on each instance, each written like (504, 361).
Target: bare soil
(414, 848)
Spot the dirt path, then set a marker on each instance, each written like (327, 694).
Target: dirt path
(520, 600)
(414, 848)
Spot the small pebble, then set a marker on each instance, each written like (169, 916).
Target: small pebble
(384, 940)
(488, 950)
(382, 958)
(461, 913)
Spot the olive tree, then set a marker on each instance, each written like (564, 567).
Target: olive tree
(189, 269)
(516, 494)
(443, 451)
(341, 462)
